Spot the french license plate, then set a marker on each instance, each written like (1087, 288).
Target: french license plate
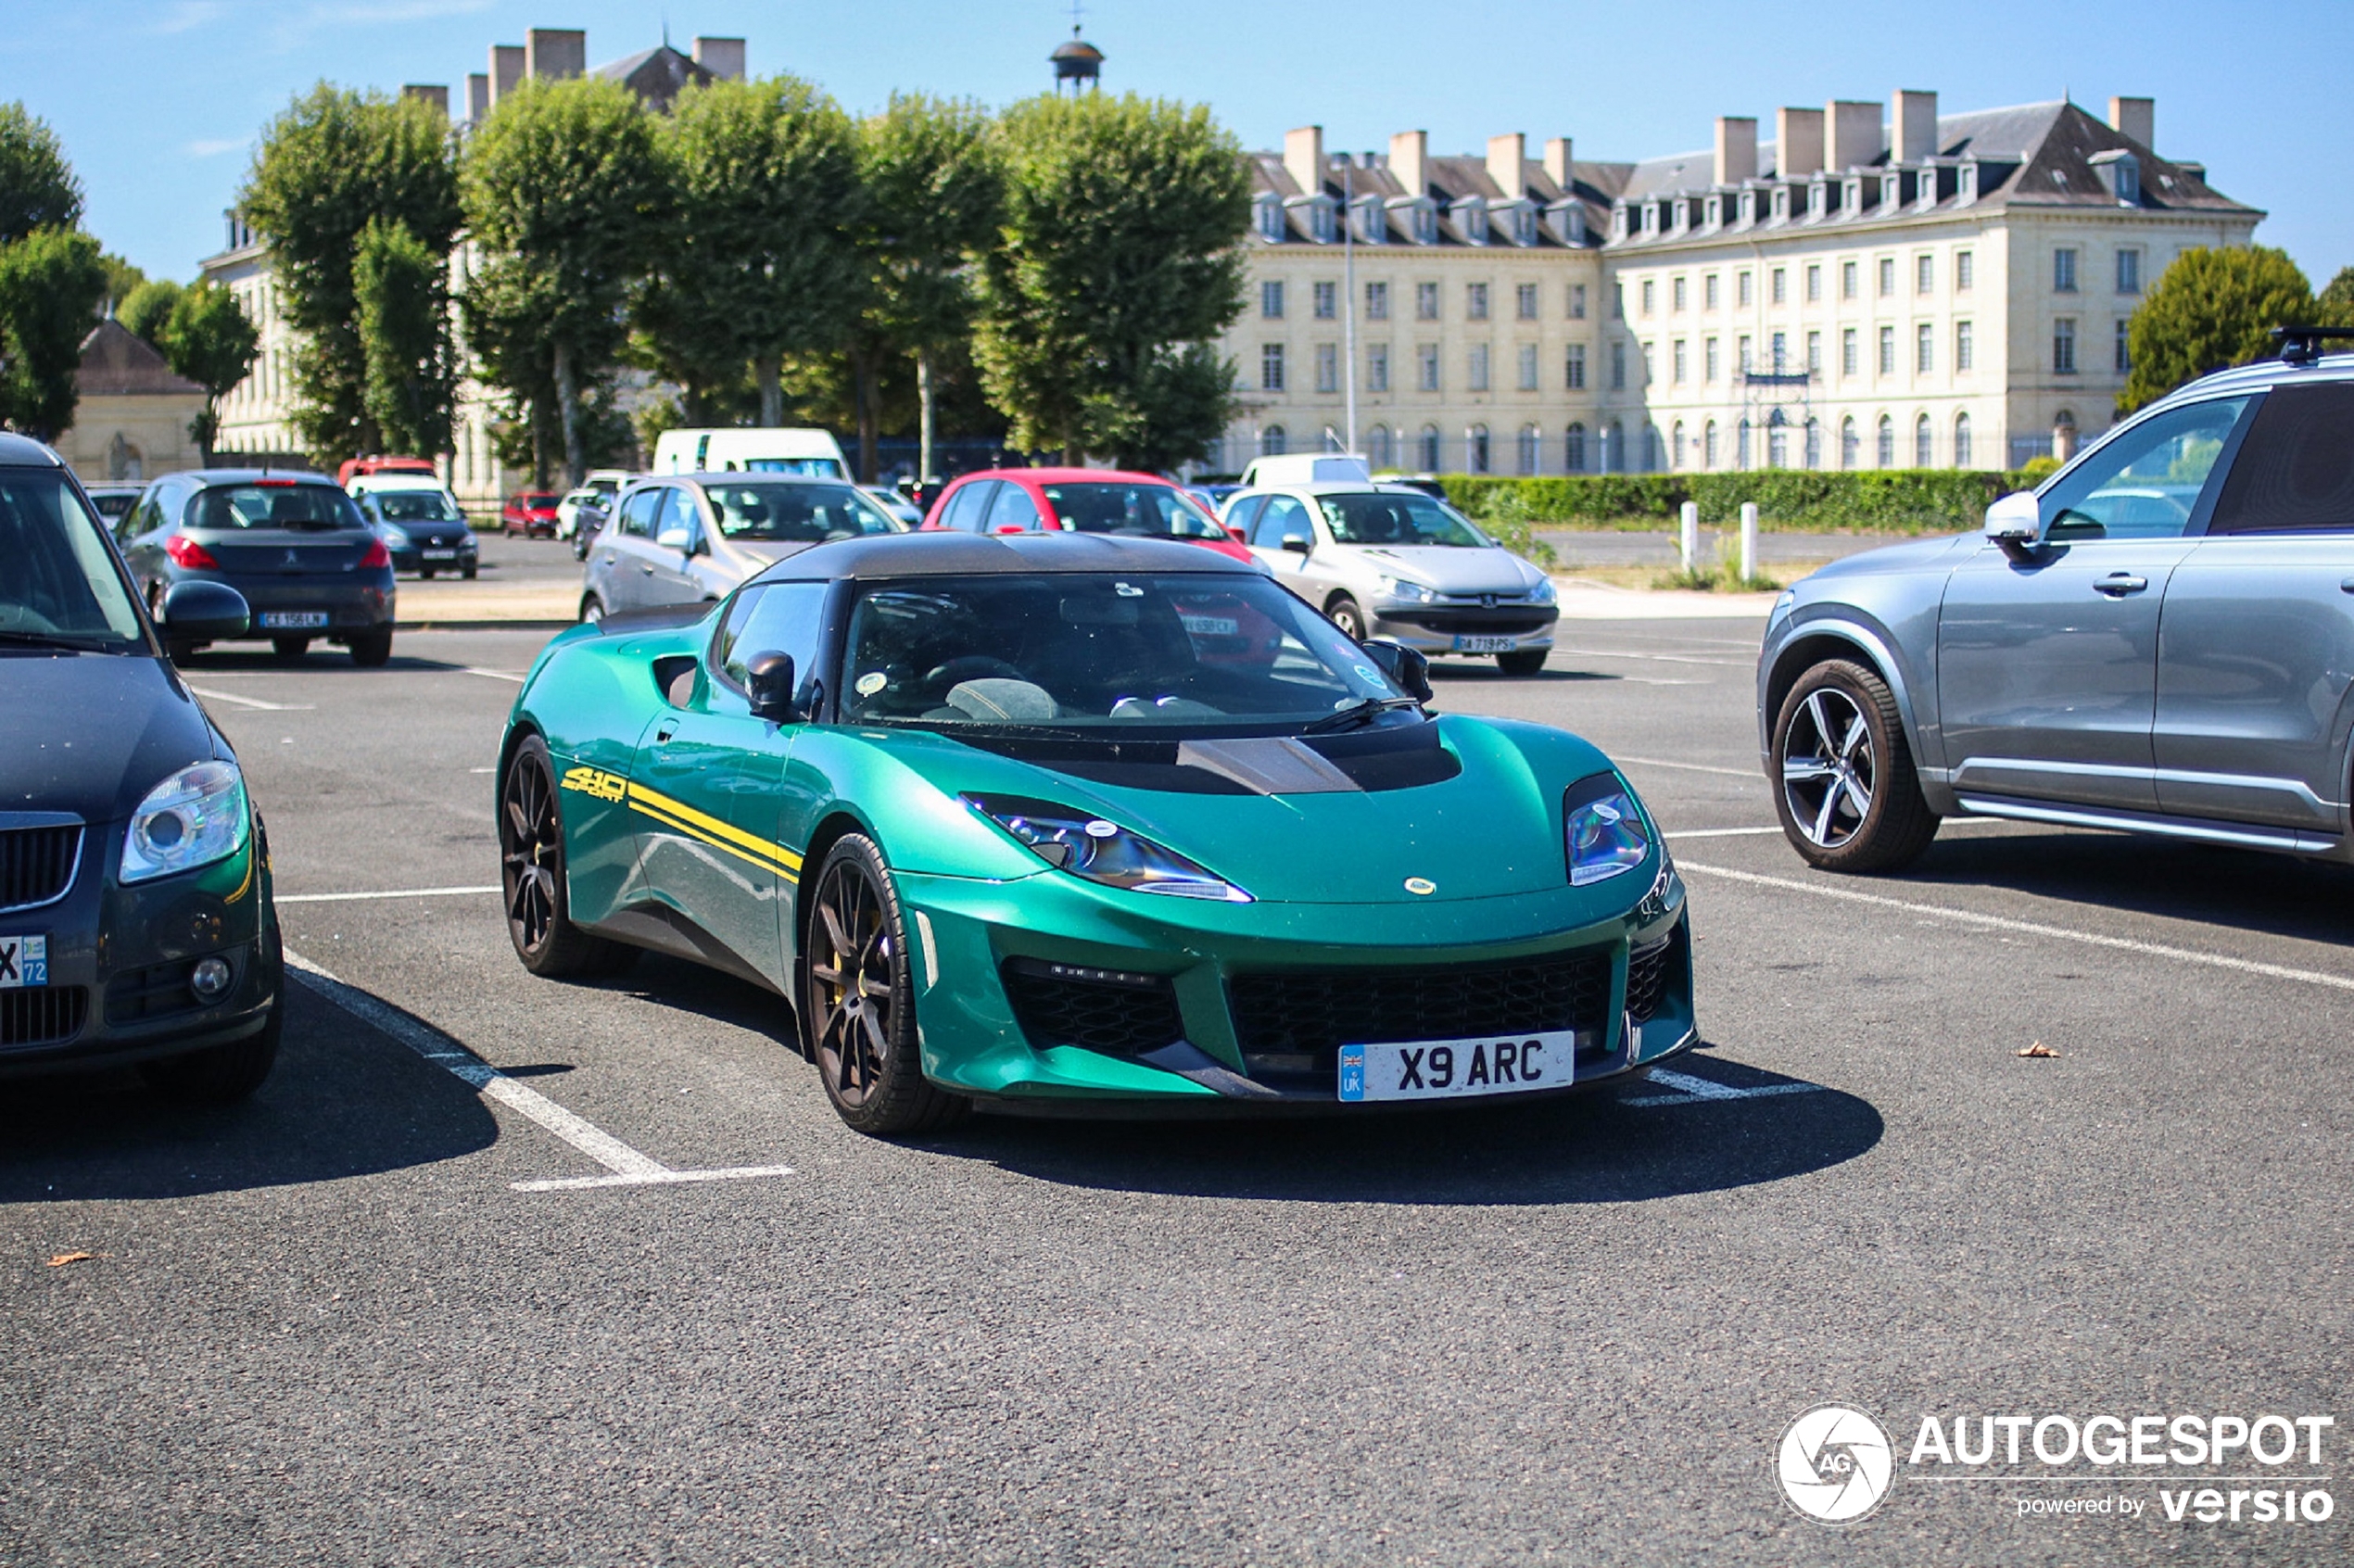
(1212, 626)
(24, 960)
(1444, 1069)
(1484, 644)
(441, 555)
(293, 620)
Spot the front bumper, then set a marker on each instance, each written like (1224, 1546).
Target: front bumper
(974, 940)
(1433, 628)
(412, 558)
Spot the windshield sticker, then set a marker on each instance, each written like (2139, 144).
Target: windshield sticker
(1127, 590)
(872, 682)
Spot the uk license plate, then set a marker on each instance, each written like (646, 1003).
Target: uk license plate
(24, 960)
(1484, 644)
(441, 555)
(293, 620)
(1446, 1070)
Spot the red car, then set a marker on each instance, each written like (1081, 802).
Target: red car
(530, 512)
(1085, 500)
(352, 468)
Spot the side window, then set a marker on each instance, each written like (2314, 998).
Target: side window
(678, 524)
(777, 618)
(2294, 472)
(638, 513)
(968, 507)
(1246, 512)
(143, 518)
(2145, 483)
(1285, 518)
(1012, 509)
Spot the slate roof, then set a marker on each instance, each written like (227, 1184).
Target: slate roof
(657, 75)
(116, 363)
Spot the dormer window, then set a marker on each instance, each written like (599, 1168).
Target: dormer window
(1268, 216)
(1818, 201)
(1517, 219)
(1650, 217)
(1851, 198)
(1320, 213)
(1713, 212)
(1892, 189)
(1618, 220)
(1567, 220)
(1748, 209)
(2121, 174)
(1781, 204)
(1471, 216)
(1680, 215)
(1420, 216)
(1927, 196)
(1966, 183)
(1369, 219)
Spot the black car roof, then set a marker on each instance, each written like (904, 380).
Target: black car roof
(23, 451)
(944, 555)
(249, 475)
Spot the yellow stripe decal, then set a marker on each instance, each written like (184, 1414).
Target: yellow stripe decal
(752, 856)
(688, 816)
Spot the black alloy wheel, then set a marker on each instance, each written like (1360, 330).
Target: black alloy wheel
(531, 875)
(1848, 795)
(1344, 613)
(857, 1014)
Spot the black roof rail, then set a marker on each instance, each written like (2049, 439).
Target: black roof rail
(2302, 345)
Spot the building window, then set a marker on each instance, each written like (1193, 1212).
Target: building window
(1962, 268)
(1814, 283)
(2128, 272)
(1741, 445)
(1326, 300)
(1925, 273)
(1327, 368)
(1377, 302)
(1708, 292)
(1271, 441)
(1847, 362)
(1475, 449)
(1847, 284)
(1578, 302)
(1477, 365)
(1654, 457)
(1430, 448)
(1614, 449)
(1924, 349)
(1746, 361)
(1427, 378)
(1377, 368)
(1270, 367)
(1426, 302)
(1888, 277)
(1528, 367)
(1886, 451)
(1651, 372)
(1965, 355)
(1779, 346)
(1675, 450)
(1476, 301)
(1618, 367)
(1708, 445)
(2063, 347)
(1271, 299)
(1675, 294)
(1741, 288)
(1781, 286)
(2124, 346)
(1961, 440)
(1678, 360)
(1380, 452)
(1574, 370)
(1574, 449)
(1888, 350)
(1924, 443)
(1618, 302)
(1776, 441)
(2064, 270)
(1709, 366)
(1651, 292)
(1849, 444)
(1814, 353)
(1525, 301)
(1528, 449)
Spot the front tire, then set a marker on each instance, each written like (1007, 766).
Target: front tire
(592, 610)
(858, 1013)
(1521, 662)
(531, 876)
(1344, 613)
(1846, 790)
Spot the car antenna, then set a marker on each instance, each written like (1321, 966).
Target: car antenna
(2302, 345)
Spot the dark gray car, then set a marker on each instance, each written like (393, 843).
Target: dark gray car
(2159, 639)
(295, 544)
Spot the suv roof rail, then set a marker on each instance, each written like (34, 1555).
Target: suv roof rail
(2302, 345)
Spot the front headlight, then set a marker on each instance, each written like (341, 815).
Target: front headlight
(394, 539)
(1603, 828)
(193, 819)
(1404, 592)
(1543, 592)
(1782, 607)
(1102, 851)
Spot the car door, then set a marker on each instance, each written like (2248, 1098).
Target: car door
(965, 508)
(1012, 511)
(667, 572)
(623, 558)
(1283, 523)
(2047, 658)
(2256, 648)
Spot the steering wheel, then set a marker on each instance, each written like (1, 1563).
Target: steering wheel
(971, 666)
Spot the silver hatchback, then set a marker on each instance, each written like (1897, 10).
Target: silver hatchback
(691, 538)
(2160, 638)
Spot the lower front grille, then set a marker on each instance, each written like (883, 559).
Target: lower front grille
(1647, 971)
(42, 1015)
(1109, 1010)
(149, 993)
(36, 864)
(1504, 619)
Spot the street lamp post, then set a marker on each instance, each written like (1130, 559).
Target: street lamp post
(1348, 296)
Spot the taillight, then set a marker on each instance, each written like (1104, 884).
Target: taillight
(187, 554)
(377, 556)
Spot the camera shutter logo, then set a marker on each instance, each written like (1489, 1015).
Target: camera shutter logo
(1834, 1464)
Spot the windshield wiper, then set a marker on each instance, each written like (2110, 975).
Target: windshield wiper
(56, 640)
(1357, 714)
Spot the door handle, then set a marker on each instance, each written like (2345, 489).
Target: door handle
(2117, 584)
(647, 567)
(662, 736)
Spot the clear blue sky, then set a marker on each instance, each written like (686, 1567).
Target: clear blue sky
(160, 101)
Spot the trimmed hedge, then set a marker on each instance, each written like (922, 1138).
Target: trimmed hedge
(1914, 501)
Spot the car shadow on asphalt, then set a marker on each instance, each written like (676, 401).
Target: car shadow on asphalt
(1597, 1147)
(321, 660)
(343, 1102)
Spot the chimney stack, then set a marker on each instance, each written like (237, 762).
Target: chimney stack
(724, 58)
(2136, 117)
(437, 97)
(1558, 164)
(1736, 149)
(1916, 135)
(477, 98)
(556, 54)
(1409, 151)
(1854, 132)
(1508, 164)
(506, 70)
(1304, 157)
(1798, 141)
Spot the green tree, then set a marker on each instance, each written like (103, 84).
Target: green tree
(564, 188)
(146, 307)
(332, 163)
(50, 285)
(2213, 307)
(1117, 261)
(2334, 305)
(404, 313)
(123, 280)
(37, 185)
(208, 339)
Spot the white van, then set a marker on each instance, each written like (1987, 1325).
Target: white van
(1308, 468)
(811, 453)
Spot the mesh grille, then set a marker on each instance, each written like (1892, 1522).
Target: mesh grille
(36, 864)
(148, 994)
(1647, 972)
(1314, 1012)
(1062, 1004)
(42, 1015)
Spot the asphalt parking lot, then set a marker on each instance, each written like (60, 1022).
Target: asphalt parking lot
(400, 1309)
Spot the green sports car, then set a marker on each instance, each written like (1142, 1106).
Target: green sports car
(1077, 821)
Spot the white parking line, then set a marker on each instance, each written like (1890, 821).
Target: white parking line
(1694, 768)
(492, 674)
(1720, 833)
(398, 892)
(1691, 1089)
(2031, 927)
(1659, 658)
(629, 1167)
(254, 702)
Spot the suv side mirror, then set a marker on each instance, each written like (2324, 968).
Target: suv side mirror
(1405, 666)
(2016, 521)
(768, 679)
(197, 611)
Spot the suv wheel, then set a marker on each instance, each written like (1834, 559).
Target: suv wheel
(1847, 790)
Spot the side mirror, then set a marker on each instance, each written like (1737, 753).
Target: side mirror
(769, 681)
(1299, 544)
(1405, 666)
(197, 611)
(1237, 535)
(2016, 521)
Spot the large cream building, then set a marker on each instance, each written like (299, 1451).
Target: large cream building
(1868, 289)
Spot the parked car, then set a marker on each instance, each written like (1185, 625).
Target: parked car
(113, 501)
(687, 539)
(420, 523)
(1084, 500)
(595, 493)
(812, 454)
(293, 545)
(1389, 561)
(353, 468)
(136, 920)
(2160, 638)
(890, 500)
(531, 514)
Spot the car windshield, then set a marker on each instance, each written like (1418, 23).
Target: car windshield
(809, 467)
(417, 506)
(268, 505)
(538, 500)
(59, 585)
(1099, 652)
(782, 511)
(1160, 511)
(1396, 518)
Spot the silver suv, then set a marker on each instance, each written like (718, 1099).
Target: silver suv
(2160, 638)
